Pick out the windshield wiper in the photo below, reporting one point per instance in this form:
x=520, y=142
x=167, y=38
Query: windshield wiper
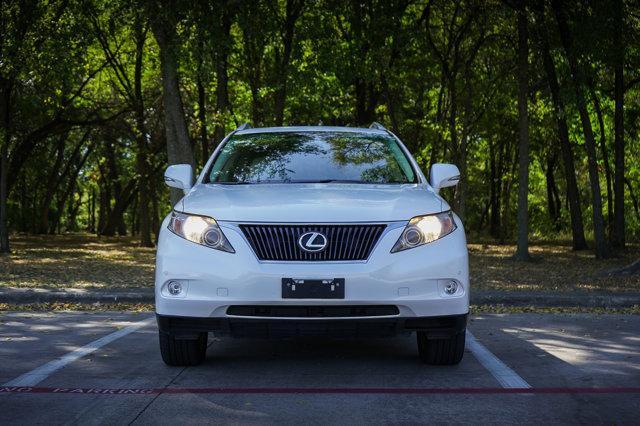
x=240, y=182
x=257, y=182
x=327, y=181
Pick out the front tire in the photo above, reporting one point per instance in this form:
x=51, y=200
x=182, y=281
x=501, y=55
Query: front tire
x=182, y=352
x=441, y=351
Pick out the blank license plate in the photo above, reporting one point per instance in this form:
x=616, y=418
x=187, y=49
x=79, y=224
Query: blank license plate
x=293, y=288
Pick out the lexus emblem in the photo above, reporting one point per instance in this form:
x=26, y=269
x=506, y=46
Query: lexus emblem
x=312, y=242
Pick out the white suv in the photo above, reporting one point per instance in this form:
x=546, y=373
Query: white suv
x=311, y=231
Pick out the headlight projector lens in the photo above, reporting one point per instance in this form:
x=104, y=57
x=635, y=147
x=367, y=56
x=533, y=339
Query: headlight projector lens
x=412, y=237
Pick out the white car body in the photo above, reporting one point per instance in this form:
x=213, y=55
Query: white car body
x=212, y=280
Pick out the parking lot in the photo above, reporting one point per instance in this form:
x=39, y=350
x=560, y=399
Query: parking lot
x=519, y=368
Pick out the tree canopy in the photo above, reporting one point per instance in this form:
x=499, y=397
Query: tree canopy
x=536, y=101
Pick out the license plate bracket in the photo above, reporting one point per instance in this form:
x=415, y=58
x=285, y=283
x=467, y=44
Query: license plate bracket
x=294, y=288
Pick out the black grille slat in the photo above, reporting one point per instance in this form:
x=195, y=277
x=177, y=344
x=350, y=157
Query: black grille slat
x=344, y=241
x=357, y=242
x=365, y=239
x=348, y=243
x=258, y=247
x=275, y=241
x=265, y=242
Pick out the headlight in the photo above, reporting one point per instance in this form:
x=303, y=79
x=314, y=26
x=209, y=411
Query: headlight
x=200, y=230
x=425, y=229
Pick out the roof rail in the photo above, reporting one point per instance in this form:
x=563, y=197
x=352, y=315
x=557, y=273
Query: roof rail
x=244, y=127
x=377, y=126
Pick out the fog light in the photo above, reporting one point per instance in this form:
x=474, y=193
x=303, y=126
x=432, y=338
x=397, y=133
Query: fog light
x=451, y=287
x=174, y=287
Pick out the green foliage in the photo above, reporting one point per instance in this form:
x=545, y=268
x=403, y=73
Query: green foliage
x=440, y=74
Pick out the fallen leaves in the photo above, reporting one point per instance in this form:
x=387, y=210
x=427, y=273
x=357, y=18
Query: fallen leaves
x=63, y=306
x=77, y=261
x=555, y=268
x=507, y=309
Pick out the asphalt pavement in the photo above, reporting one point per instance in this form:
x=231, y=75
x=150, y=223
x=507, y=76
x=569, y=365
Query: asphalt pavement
x=105, y=368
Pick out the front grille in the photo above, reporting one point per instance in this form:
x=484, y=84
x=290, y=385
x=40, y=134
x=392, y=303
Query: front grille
x=344, y=242
x=304, y=311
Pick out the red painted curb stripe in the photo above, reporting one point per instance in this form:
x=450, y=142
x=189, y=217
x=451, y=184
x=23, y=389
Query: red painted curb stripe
x=414, y=391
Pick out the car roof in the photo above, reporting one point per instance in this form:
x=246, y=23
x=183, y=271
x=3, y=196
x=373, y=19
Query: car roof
x=310, y=129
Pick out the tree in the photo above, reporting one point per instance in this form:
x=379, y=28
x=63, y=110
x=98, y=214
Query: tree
x=128, y=79
x=619, y=46
x=164, y=19
x=522, y=251
x=566, y=149
x=602, y=249
x=287, y=23
x=49, y=91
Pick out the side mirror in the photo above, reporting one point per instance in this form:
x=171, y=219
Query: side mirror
x=443, y=175
x=179, y=176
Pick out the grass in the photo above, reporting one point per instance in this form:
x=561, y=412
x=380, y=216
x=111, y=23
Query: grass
x=78, y=261
x=555, y=267
x=90, y=262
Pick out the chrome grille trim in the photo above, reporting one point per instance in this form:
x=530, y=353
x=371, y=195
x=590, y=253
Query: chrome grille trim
x=345, y=242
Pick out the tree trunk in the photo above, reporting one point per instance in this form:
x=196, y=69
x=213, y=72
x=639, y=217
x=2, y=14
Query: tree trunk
x=553, y=199
x=222, y=101
x=179, y=150
x=92, y=211
x=222, y=75
x=253, y=52
x=566, y=150
x=105, y=201
x=435, y=144
x=143, y=154
x=522, y=250
x=506, y=193
x=605, y=156
x=24, y=204
x=5, y=139
x=155, y=222
x=4, y=223
x=634, y=200
x=202, y=117
x=143, y=200
x=51, y=186
x=68, y=192
x=366, y=101
x=292, y=13
x=602, y=250
x=461, y=189
x=495, y=185
x=72, y=213
x=618, y=234
x=115, y=221
x=134, y=216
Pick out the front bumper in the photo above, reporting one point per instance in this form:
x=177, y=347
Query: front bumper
x=213, y=281
x=435, y=327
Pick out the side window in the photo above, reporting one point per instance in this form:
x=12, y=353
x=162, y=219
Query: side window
x=402, y=160
x=220, y=162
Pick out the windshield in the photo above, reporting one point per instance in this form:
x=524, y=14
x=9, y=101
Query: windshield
x=307, y=157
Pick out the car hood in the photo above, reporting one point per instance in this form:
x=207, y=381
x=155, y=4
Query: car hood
x=311, y=202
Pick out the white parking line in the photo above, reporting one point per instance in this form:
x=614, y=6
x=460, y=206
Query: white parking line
x=503, y=374
x=37, y=375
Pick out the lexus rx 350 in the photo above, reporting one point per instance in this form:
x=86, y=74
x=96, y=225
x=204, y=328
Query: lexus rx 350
x=311, y=231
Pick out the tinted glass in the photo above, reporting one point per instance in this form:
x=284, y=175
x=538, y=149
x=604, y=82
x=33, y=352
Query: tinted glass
x=290, y=157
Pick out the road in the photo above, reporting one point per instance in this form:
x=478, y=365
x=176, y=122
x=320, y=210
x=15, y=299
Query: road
x=105, y=368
